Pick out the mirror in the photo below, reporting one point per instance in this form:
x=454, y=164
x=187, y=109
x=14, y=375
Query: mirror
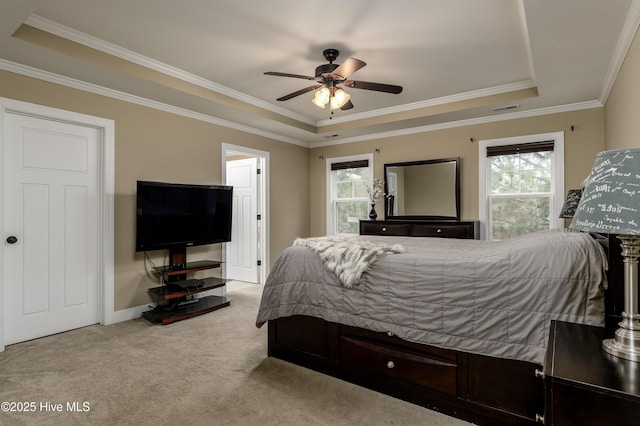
x=428, y=189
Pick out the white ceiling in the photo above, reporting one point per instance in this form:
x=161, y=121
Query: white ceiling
x=456, y=59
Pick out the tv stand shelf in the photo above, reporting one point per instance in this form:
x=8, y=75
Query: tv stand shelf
x=164, y=316
x=199, y=265
x=166, y=293
x=177, y=304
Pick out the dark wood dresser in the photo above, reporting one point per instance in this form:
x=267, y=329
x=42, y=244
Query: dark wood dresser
x=585, y=385
x=421, y=228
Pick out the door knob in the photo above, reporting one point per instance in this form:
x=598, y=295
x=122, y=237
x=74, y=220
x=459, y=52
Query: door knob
x=12, y=240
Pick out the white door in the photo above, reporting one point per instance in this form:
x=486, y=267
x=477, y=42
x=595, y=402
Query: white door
x=242, y=251
x=51, y=208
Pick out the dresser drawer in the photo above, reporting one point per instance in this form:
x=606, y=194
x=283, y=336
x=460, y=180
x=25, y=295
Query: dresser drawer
x=415, y=228
x=441, y=230
x=418, y=368
x=382, y=228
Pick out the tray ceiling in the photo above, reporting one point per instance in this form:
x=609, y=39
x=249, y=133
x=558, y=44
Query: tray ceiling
x=458, y=61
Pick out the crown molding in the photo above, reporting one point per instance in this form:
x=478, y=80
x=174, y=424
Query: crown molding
x=122, y=96
x=115, y=94
x=71, y=34
x=496, y=90
x=525, y=35
x=622, y=48
x=63, y=31
x=468, y=122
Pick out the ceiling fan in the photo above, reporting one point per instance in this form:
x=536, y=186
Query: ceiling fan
x=329, y=76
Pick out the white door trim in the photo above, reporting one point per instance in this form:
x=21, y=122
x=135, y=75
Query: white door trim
x=264, y=201
x=107, y=178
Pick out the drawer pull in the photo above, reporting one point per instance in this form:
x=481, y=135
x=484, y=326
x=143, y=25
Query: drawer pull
x=384, y=229
x=390, y=364
x=390, y=333
x=539, y=374
x=539, y=419
x=439, y=230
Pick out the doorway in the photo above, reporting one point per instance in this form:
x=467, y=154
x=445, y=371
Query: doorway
x=246, y=255
x=57, y=202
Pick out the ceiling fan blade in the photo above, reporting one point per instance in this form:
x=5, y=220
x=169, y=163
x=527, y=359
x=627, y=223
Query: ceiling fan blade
x=284, y=74
x=347, y=106
x=299, y=92
x=378, y=87
x=347, y=68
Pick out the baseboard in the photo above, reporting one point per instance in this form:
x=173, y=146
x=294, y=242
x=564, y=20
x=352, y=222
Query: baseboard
x=128, y=314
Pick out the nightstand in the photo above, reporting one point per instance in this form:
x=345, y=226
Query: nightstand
x=584, y=384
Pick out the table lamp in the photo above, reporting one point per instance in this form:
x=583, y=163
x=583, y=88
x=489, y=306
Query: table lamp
x=610, y=204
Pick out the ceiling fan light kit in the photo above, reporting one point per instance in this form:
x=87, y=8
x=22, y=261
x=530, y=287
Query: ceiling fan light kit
x=337, y=100
x=328, y=76
x=321, y=97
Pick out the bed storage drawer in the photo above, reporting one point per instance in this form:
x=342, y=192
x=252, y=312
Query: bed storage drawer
x=435, y=370
x=479, y=389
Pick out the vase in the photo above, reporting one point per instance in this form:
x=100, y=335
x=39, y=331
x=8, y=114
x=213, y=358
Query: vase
x=372, y=214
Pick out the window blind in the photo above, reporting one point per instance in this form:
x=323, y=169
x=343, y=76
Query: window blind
x=519, y=148
x=350, y=164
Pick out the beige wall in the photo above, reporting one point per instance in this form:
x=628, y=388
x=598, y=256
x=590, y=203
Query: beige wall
x=622, y=110
x=581, y=146
x=155, y=145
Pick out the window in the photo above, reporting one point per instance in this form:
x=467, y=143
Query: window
x=347, y=198
x=521, y=185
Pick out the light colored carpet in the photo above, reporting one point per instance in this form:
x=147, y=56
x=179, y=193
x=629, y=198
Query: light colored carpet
x=208, y=370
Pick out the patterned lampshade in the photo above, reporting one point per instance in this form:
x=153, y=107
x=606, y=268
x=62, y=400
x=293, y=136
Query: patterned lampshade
x=571, y=203
x=610, y=204
x=610, y=201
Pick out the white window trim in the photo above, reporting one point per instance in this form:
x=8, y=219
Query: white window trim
x=330, y=223
x=557, y=165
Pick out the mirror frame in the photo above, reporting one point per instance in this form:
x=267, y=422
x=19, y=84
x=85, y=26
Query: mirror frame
x=455, y=217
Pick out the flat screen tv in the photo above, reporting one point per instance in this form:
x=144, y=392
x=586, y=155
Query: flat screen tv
x=174, y=216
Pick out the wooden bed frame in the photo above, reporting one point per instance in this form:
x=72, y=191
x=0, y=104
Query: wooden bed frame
x=476, y=388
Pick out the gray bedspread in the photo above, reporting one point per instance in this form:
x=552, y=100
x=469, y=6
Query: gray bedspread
x=495, y=298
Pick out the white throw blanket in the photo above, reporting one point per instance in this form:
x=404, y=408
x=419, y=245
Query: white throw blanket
x=346, y=257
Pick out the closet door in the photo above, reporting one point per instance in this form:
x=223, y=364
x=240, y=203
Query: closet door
x=51, y=222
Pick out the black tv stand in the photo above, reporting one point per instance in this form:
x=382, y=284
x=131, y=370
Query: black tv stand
x=171, y=306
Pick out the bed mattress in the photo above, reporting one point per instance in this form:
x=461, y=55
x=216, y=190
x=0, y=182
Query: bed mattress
x=495, y=298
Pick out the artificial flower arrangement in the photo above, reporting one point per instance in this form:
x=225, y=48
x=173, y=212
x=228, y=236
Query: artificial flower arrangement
x=376, y=191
